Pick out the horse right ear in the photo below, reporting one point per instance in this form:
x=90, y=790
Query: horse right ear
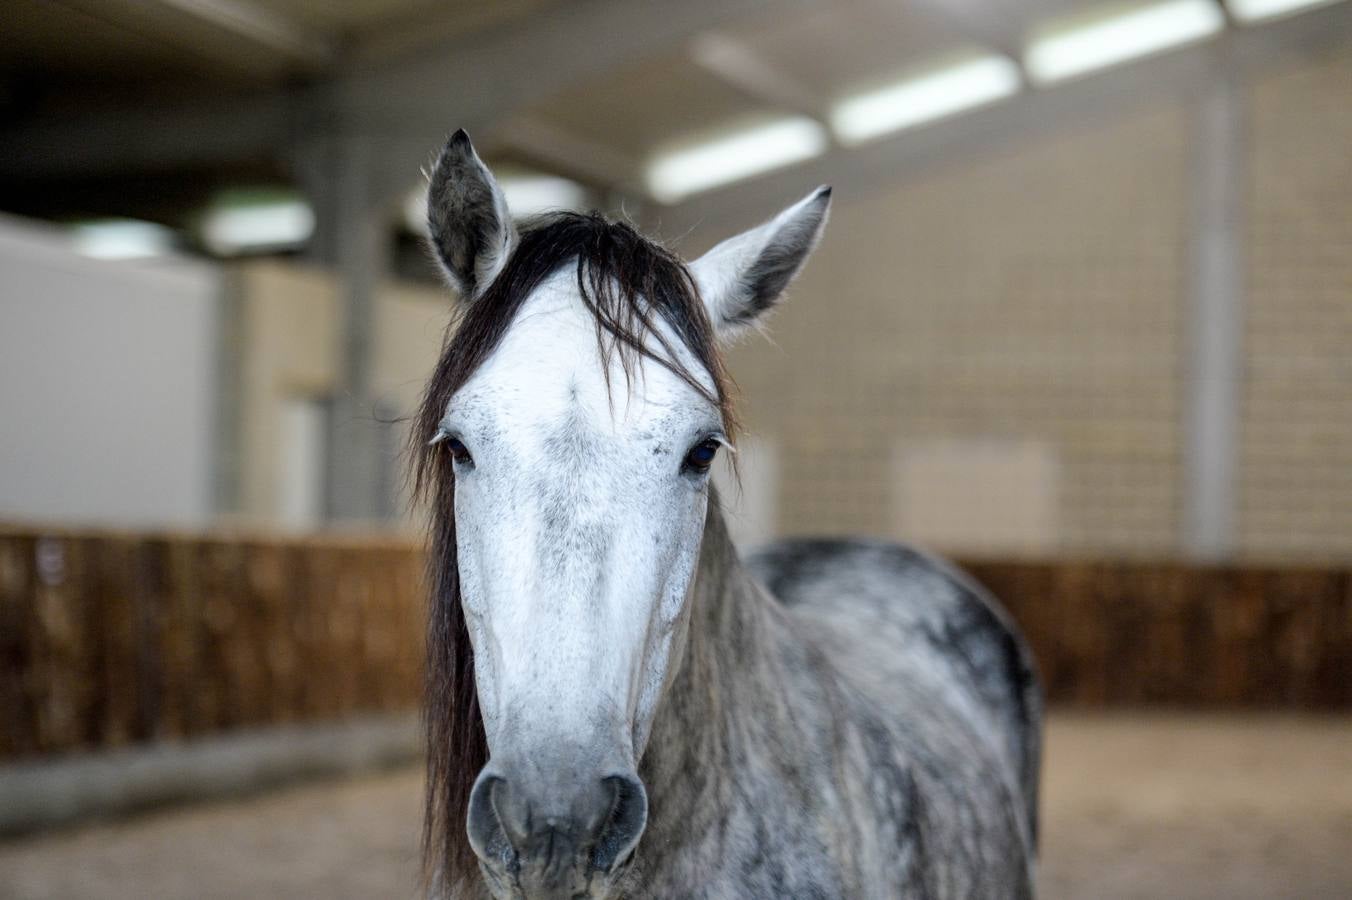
x=468, y=222
x=743, y=277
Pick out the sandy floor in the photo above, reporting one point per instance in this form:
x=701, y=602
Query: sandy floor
x=1193, y=807
x=1134, y=807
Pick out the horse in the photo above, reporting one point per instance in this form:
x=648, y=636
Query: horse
x=617, y=705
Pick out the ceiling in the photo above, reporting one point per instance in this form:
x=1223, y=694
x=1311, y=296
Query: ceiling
x=591, y=89
x=751, y=71
x=62, y=51
x=230, y=42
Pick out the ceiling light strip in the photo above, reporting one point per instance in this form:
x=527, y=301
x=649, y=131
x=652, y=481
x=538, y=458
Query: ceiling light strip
x=925, y=98
x=1067, y=52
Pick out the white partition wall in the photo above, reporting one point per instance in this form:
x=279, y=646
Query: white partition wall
x=107, y=385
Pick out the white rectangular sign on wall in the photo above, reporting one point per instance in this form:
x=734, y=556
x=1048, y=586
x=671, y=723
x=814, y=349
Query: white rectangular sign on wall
x=978, y=495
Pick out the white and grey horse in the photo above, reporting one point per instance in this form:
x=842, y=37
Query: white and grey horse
x=619, y=706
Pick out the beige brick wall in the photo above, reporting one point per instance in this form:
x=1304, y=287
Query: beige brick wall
x=1033, y=300
x=286, y=348
x=1030, y=299
x=1296, y=453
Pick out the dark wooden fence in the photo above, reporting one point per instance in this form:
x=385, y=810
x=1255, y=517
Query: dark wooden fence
x=109, y=639
x=1171, y=634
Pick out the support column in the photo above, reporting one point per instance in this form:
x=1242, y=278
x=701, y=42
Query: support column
x=1214, y=347
x=352, y=240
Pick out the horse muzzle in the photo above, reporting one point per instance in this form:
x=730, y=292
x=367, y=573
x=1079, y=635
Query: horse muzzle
x=559, y=838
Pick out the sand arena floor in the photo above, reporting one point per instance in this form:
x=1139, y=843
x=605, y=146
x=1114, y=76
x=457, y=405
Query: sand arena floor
x=1139, y=806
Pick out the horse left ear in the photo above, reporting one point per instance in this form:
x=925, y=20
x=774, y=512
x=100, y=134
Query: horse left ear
x=467, y=218
x=741, y=278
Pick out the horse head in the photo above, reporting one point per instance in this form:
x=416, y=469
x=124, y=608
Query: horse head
x=565, y=445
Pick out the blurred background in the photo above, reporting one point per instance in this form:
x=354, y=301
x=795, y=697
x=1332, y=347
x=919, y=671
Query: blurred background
x=1079, y=320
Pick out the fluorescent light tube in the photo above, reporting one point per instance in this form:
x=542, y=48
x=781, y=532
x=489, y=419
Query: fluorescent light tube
x=229, y=230
x=742, y=154
x=923, y=98
x=1247, y=11
x=530, y=195
x=122, y=239
x=1067, y=51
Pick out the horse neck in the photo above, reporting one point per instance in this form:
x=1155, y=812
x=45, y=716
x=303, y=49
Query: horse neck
x=737, y=668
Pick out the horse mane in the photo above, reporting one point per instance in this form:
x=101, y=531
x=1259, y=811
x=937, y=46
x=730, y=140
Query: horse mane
x=629, y=284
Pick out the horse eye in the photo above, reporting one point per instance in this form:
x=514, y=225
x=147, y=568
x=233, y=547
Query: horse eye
x=701, y=456
x=459, y=452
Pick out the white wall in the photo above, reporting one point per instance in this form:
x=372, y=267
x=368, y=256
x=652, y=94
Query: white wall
x=107, y=385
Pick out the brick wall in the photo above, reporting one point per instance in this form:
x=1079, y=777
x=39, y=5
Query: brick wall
x=1029, y=305
x=1029, y=299
x=1296, y=453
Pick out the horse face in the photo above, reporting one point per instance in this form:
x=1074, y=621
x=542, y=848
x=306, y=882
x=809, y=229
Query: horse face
x=580, y=497
x=579, y=507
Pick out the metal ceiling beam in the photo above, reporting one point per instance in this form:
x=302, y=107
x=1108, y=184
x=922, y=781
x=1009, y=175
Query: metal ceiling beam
x=242, y=36
x=738, y=65
x=114, y=142
x=406, y=107
x=421, y=25
x=483, y=82
x=261, y=26
x=1034, y=112
x=569, y=154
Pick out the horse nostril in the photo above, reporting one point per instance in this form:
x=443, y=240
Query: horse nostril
x=488, y=833
x=525, y=831
x=624, y=825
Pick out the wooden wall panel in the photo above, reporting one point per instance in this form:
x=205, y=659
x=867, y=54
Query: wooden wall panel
x=1168, y=634
x=110, y=639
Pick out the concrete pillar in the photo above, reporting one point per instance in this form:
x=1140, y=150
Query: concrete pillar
x=1214, y=337
x=352, y=239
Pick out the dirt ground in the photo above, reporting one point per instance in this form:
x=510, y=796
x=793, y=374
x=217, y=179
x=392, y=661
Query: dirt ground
x=1134, y=807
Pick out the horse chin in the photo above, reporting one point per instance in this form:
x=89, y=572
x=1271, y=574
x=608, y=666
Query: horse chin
x=576, y=884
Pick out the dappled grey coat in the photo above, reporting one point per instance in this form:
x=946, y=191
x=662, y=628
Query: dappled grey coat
x=852, y=719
